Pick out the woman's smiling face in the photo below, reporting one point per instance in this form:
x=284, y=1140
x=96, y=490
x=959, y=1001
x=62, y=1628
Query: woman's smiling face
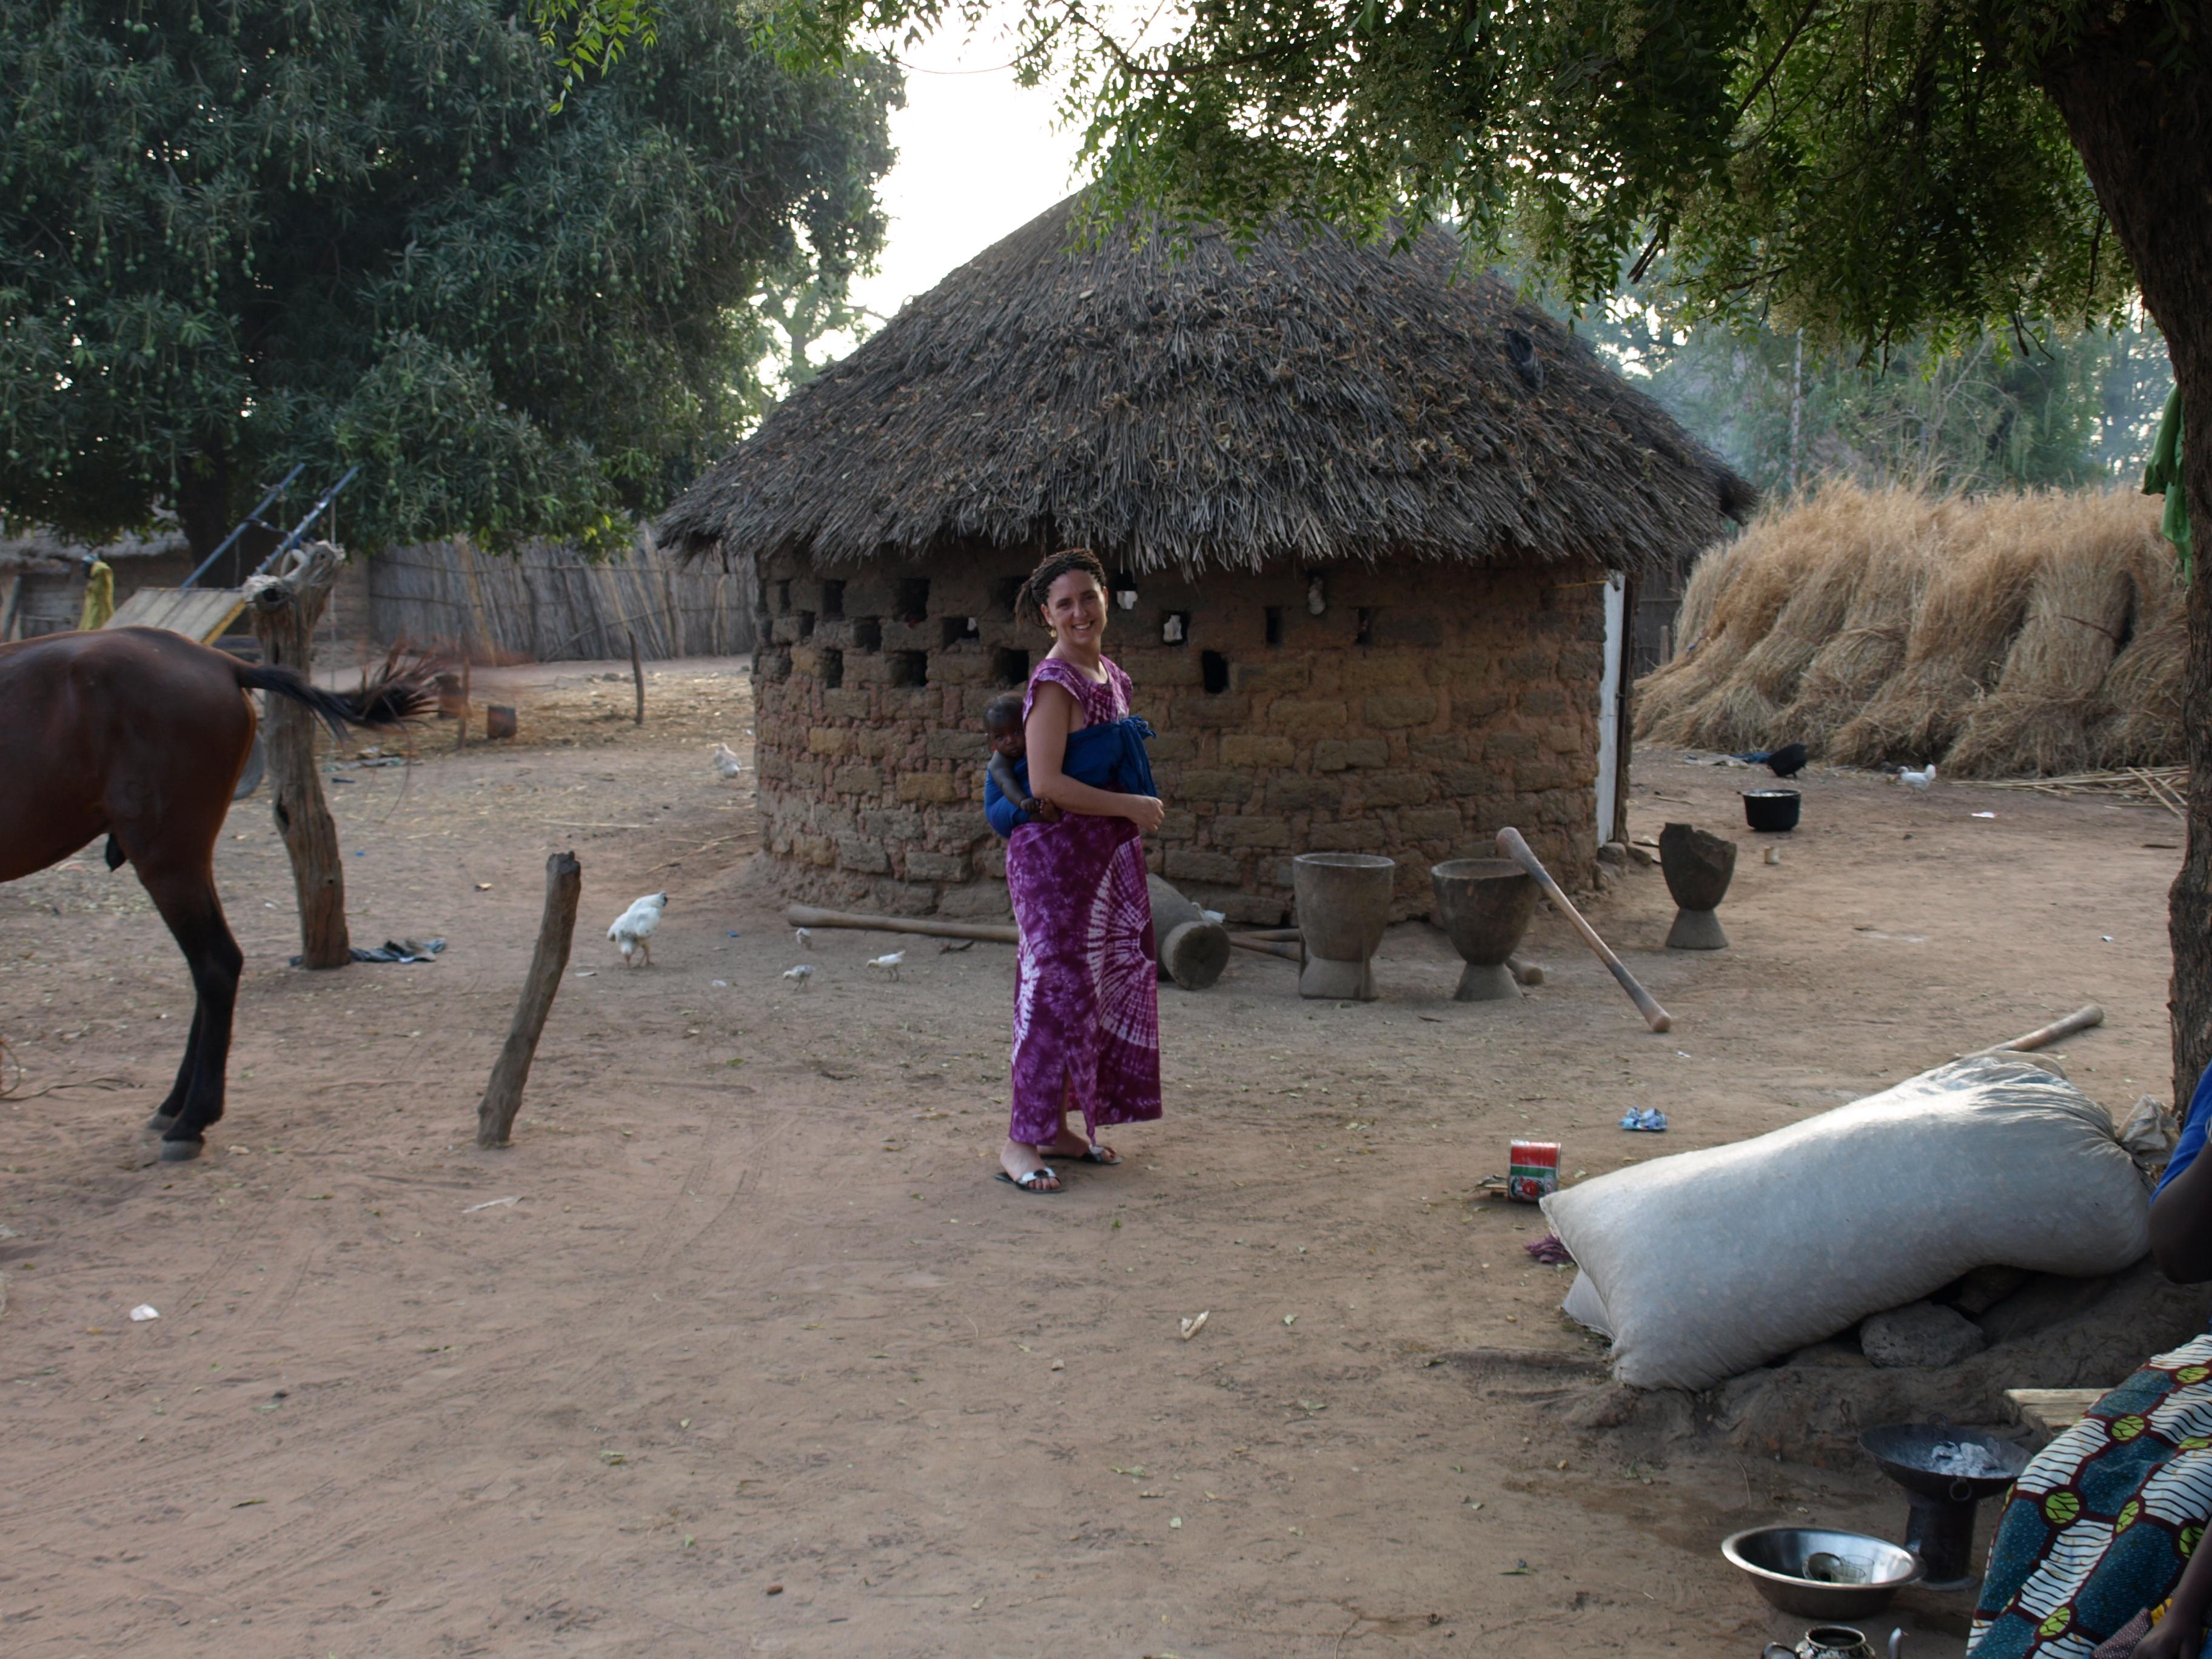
x=1075, y=610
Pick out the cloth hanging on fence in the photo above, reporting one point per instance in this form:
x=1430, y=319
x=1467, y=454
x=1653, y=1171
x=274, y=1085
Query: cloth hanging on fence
x=2163, y=477
x=98, y=596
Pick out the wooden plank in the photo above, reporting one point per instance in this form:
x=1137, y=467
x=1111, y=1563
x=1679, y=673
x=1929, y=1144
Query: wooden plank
x=2051, y=1412
x=198, y=613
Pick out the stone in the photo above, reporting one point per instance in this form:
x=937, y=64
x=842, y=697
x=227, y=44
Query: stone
x=1391, y=710
x=868, y=856
x=1252, y=831
x=1920, y=1335
x=937, y=788
x=980, y=901
x=1248, y=749
x=1303, y=714
x=1336, y=755
x=1360, y=835
x=923, y=866
x=1193, y=864
x=858, y=780
x=1229, y=787
x=1431, y=823
x=1299, y=793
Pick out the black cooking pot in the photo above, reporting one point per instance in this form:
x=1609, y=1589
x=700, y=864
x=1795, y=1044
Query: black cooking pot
x=1771, y=810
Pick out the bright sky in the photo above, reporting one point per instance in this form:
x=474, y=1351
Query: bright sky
x=978, y=158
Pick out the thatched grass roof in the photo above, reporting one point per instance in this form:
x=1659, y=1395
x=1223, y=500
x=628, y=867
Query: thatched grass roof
x=1316, y=400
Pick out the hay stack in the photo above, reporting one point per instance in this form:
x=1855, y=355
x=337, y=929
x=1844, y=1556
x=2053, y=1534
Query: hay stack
x=2087, y=565
x=2139, y=721
x=1893, y=548
x=2032, y=635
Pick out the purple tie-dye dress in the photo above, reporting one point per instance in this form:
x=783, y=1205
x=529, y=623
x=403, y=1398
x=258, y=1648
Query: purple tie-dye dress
x=1086, y=986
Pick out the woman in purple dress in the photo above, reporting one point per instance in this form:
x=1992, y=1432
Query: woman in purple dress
x=1086, y=989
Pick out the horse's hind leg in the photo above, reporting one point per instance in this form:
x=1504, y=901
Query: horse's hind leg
x=189, y=904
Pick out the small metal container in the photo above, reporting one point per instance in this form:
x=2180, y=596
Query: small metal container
x=1858, y=1575
x=1532, y=1171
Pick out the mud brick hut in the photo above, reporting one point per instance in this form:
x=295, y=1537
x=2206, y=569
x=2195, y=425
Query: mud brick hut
x=1371, y=527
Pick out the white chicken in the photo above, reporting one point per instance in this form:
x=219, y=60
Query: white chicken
x=726, y=762
x=633, y=929
x=802, y=975
x=1914, y=779
x=805, y=936
x=890, y=964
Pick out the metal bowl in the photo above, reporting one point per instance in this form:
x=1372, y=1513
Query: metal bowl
x=1867, y=1572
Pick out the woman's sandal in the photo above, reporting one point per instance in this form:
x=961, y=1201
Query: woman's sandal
x=1033, y=1182
x=1096, y=1153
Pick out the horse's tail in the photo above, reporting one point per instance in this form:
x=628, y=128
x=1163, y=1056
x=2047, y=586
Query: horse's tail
x=381, y=702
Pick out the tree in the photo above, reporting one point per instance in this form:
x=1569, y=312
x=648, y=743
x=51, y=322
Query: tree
x=336, y=231
x=1993, y=410
x=1871, y=172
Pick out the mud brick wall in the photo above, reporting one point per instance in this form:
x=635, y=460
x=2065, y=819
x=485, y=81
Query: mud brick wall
x=1423, y=707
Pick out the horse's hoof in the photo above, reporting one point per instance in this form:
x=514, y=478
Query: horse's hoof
x=180, y=1152
x=161, y=1125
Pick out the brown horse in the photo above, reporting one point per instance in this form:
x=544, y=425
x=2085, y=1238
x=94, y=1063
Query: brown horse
x=141, y=734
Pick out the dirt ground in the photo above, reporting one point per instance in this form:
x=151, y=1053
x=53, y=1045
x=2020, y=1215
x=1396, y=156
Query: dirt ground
x=740, y=1349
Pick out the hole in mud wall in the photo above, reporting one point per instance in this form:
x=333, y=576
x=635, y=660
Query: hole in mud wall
x=806, y=624
x=910, y=668
x=1214, y=672
x=911, y=601
x=1365, y=633
x=1175, y=628
x=833, y=669
x=783, y=598
x=832, y=599
x=962, y=630
x=1274, y=620
x=1006, y=595
x=867, y=633
x=1010, y=667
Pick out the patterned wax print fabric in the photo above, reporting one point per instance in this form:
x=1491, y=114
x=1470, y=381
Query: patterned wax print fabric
x=1087, y=979
x=2099, y=1525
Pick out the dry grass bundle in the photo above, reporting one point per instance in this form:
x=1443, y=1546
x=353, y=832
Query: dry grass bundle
x=2036, y=634
x=2139, y=721
x=2091, y=558
x=1888, y=540
x=1699, y=693
x=1975, y=604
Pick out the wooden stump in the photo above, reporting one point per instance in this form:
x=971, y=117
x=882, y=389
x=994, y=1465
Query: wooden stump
x=636, y=676
x=556, y=932
x=284, y=611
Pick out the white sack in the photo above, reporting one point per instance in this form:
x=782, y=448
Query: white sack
x=1708, y=1263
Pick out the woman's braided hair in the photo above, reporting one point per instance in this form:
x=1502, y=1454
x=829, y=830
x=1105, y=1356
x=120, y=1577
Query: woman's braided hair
x=1037, y=589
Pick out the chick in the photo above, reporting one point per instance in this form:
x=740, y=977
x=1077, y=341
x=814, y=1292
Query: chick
x=633, y=929
x=802, y=975
x=726, y=762
x=805, y=936
x=890, y=964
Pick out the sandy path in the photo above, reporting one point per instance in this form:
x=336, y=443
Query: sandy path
x=758, y=1317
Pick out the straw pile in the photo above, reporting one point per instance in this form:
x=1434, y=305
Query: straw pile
x=2014, y=635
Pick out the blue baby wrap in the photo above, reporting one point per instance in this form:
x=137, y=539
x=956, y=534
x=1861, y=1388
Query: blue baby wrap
x=1109, y=756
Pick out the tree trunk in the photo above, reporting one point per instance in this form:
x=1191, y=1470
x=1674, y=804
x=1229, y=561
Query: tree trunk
x=2145, y=135
x=556, y=932
x=284, y=611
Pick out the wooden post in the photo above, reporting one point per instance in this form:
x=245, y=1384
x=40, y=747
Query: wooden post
x=284, y=611
x=636, y=675
x=556, y=930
